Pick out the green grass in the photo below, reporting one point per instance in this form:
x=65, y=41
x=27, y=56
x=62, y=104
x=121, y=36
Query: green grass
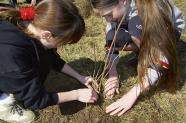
x=87, y=56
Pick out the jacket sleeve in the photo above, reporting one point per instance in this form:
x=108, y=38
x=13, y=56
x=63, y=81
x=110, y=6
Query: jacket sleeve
x=178, y=17
x=19, y=77
x=57, y=62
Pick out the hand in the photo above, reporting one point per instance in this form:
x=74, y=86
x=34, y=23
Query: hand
x=123, y=104
x=33, y=2
x=111, y=86
x=87, y=95
x=89, y=81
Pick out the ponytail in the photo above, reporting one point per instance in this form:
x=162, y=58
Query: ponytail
x=11, y=15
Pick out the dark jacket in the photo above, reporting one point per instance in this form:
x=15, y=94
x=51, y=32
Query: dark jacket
x=24, y=66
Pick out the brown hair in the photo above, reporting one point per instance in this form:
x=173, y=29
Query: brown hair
x=60, y=17
x=99, y=4
x=158, y=40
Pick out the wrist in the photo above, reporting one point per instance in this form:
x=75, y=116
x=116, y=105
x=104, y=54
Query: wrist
x=136, y=90
x=75, y=94
x=81, y=79
x=67, y=96
x=113, y=73
x=113, y=76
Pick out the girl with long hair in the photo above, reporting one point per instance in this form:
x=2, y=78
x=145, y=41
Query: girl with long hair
x=28, y=41
x=154, y=27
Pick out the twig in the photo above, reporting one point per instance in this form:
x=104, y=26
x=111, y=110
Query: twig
x=106, y=66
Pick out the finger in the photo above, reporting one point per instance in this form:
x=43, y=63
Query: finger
x=107, y=90
x=110, y=83
x=94, y=98
x=110, y=93
x=117, y=110
x=95, y=94
x=89, y=78
x=95, y=83
x=122, y=112
x=112, y=107
x=90, y=87
x=117, y=90
x=112, y=86
x=91, y=101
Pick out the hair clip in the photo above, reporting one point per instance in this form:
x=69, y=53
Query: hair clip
x=27, y=13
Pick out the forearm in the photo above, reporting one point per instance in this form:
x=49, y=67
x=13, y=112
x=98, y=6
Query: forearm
x=134, y=46
x=67, y=96
x=71, y=72
x=137, y=89
x=113, y=70
x=136, y=41
x=153, y=77
x=129, y=47
x=82, y=95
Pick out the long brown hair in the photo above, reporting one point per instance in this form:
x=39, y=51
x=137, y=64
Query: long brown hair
x=60, y=17
x=157, y=40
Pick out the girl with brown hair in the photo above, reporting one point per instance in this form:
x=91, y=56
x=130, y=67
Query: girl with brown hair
x=28, y=39
x=161, y=24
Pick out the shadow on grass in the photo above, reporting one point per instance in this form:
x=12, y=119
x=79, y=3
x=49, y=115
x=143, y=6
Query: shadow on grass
x=57, y=82
x=181, y=50
x=86, y=66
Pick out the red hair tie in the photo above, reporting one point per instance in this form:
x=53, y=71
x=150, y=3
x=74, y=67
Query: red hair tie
x=27, y=13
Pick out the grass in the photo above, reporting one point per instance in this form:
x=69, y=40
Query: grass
x=88, y=55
